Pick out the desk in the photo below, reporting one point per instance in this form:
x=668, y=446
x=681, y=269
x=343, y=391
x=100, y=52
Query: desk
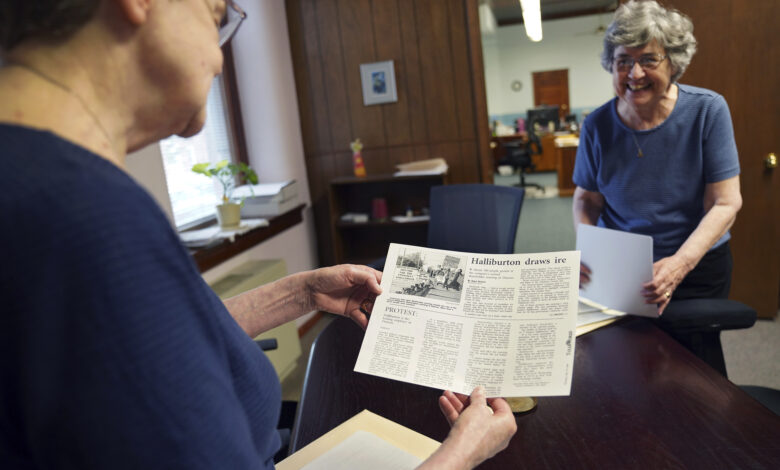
x=639, y=400
x=565, y=155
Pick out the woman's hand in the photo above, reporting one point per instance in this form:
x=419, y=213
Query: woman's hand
x=481, y=428
x=342, y=289
x=585, y=273
x=668, y=273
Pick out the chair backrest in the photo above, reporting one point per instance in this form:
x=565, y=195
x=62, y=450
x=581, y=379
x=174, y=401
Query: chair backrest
x=518, y=154
x=533, y=141
x=477, y=218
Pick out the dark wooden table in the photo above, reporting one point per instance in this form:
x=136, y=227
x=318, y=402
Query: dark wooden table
x=207, y=258
x=639, y=400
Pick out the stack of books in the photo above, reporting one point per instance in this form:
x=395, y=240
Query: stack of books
x=268, y=199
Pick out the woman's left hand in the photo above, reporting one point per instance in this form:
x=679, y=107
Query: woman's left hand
x=667, y=274
x=343, y=288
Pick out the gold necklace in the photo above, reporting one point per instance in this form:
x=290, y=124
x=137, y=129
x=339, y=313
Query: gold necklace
x=70, y=91
x=639, y=152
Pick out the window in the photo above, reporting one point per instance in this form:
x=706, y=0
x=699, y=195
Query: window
x=193, y=196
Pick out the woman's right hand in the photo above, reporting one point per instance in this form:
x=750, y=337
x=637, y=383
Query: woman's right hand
x=585, y=273
x=481, y=428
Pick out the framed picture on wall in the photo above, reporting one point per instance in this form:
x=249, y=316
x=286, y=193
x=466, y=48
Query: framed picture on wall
x=378, y=80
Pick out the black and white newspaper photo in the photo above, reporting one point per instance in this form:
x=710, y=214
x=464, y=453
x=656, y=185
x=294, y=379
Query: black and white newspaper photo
x=453, y=320
x=435, y=275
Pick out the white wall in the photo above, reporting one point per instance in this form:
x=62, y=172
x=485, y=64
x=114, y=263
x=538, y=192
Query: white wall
x=146, y=166
x=270, y=114
x=567, y=44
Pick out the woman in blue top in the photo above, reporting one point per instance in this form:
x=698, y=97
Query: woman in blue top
x=660, y=158
x=114, y=353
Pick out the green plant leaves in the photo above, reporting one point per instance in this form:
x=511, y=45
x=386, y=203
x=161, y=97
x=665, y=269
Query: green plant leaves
x=225, y=172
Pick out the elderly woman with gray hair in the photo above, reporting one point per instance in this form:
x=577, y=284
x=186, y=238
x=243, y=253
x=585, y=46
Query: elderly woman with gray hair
x=115, y=352
x=660, y=158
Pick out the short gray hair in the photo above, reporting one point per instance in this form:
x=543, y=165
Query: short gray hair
x=636, y=23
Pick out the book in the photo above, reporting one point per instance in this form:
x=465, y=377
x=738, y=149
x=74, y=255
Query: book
x=268, y=192
x=254, y=207
x=366, y=440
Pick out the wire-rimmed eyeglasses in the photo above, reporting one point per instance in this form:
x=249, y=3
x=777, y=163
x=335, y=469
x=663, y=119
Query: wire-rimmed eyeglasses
x=624, y=63
x=233, y=18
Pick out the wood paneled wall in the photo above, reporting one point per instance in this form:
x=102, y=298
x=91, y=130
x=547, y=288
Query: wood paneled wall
x=441, y=109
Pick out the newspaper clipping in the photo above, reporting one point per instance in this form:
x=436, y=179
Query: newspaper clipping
x=452, y=320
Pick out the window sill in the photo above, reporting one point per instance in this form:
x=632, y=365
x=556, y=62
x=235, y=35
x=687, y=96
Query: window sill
x=207, y=258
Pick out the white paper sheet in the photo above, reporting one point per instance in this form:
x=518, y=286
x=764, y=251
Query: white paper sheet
x=620, y=262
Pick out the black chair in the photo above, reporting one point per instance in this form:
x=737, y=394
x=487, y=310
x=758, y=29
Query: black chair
x=519, y=156
x=697, y=323
x=287, y=415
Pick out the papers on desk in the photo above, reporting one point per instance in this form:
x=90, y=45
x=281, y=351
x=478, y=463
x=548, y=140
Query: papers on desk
x=215, y=234
x=453, y=320
x=433, y=166
x=620, y=263
x=592, y=316
x=405, y=219
x=365, y=441
x=567, y=141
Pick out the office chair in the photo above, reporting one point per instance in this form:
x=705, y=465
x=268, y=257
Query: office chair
x=476, y=218
x=519, y=156
x=697, y=323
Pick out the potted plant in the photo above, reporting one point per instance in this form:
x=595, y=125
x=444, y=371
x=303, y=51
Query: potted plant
x=229, y=212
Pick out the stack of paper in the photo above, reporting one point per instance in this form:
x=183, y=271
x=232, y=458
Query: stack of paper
x=366, y=440
x=434, y=166
x=567, y=141
x=592, y=316
x=269, y=199
x=215, y=234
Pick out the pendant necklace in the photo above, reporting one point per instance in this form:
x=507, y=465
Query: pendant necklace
x=69, y=91
x=639, y=152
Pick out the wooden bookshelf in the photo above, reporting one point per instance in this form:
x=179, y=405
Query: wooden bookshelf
x=362, y=243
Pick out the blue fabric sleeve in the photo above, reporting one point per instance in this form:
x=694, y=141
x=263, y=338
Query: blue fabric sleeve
x=131, y=379
x=113, y=351
x=720, y=147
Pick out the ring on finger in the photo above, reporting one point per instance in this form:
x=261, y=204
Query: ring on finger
x=667, y=294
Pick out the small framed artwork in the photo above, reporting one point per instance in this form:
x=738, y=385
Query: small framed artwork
x=378, y=79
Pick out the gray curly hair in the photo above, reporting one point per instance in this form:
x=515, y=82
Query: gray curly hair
x=636, y=23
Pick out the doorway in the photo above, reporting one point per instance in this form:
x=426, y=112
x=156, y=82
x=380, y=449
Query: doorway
x=551, y=88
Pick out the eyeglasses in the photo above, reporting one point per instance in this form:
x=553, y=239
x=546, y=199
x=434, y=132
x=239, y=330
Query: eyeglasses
x=647, y=62
x=233, y=18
